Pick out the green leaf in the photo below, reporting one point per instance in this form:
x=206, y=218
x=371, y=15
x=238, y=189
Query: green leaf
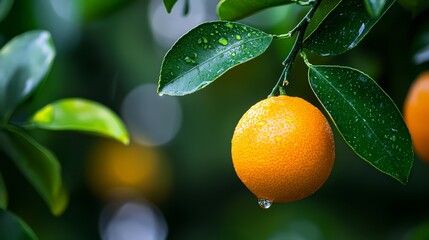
x=24, y=62
x=3, y=193
x=237, y=9
x=38, y=165
x=169, y=5
x=13, y=228
x=5, y=6
x=343, y=28
x=374, y=7
x=366, y=117
x=415, y=6
x=80, y=115
x=325, y=7
x=206, y=52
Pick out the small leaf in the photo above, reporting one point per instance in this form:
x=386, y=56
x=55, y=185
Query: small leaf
x=80, y=115
x=415, y=6
x=206, y=52
x=37, y=164
x=366, y=117
x=237, y=9
x=3, y=193
x=13, y=228
x=169, y=4
x=24, y=62
x=374, y=7
x=325, y=7
x=5, y=6
x=343, y=28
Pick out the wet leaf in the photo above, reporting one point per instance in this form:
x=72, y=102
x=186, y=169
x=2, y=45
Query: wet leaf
x=38, y=165
x=169, y=4
x=374, y=7
x=206, y=52
x=237, y=9
x=13, y=228
x=3, y=193
x=5, y=6
x=415, y=6
x=24, y=62
x=343, y=28
x=80, y=115
x=366, y=117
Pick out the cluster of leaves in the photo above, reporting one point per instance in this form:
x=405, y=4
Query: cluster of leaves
x=24, y=64
x=364, y=114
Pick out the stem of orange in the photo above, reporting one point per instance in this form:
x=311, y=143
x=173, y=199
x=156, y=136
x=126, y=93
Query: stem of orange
x=297, y=47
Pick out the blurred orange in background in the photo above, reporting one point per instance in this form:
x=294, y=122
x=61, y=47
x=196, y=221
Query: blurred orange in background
x=118, y=171
x=416, y=114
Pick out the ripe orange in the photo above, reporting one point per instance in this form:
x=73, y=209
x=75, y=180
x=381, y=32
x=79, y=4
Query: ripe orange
x=416, y=114
x=283, y=149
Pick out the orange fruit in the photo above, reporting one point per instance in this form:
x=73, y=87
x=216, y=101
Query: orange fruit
x=416, y=114
x=119, y=171
x=283, y=149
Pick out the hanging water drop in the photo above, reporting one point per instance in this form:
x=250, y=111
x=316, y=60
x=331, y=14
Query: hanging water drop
x=264, y=203
x=229, y=25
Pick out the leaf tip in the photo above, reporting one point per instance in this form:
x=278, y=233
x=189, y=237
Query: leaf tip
x=218, y=10
x=125, y=140
x=169, y=5
x=60, y=202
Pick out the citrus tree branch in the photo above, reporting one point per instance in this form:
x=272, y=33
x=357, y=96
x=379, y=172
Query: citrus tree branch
x=297, y=47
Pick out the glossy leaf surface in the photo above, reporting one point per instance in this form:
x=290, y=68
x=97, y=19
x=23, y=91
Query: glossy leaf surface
x=13, y=228
x=5, y=6
x=366, y=117
x=374, y=7
x=3, y=193
x=343, y=28
x=206, y=52
x=169, y=4
x=80, y=115
x=38, y=165
x=237, y=9
x=24, y=62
